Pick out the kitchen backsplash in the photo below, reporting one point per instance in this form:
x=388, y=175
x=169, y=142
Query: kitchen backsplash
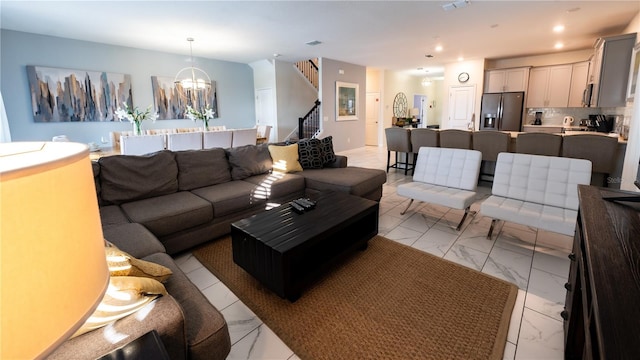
x=554, y=116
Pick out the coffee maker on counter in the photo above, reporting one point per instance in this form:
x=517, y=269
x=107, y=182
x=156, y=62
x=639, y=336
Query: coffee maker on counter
x=538, y=119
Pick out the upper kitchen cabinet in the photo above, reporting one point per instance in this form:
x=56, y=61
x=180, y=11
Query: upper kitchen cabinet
x=504, y=80
x=549, y=86
x=579, y=74
x=610, y=70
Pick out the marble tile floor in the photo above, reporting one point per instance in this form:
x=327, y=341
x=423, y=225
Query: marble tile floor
x=534, y=260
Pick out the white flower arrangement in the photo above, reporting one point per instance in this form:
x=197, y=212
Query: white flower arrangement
x=196, y=115
x=136, y=116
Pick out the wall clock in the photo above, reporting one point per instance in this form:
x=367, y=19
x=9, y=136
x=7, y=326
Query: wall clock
x=400, y=105
x=463, y=77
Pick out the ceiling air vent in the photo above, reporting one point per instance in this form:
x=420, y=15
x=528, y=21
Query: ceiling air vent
x=314, y=43
x=455, y=5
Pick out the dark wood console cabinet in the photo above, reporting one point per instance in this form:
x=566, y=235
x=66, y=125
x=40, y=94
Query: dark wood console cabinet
x=602, y=308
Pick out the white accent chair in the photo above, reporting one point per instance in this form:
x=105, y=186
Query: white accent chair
x=140, y=145
x=243, y=137
x=536, y=190
x=184, y=141
x=217, y=139
x=444, y=176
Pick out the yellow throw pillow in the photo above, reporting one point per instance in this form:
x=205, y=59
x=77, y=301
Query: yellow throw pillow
x=125, y=295
x=285, y=158
x=122, y=264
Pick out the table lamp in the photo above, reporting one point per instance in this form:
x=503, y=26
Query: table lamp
x=53, y=269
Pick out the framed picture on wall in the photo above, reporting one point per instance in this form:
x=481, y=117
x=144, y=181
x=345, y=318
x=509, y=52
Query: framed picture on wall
x=170, y=103
x=633, y=73
x=67, y=95
x=347, y=101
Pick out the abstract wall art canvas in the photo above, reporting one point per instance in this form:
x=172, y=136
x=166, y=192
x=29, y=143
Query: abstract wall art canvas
x=170, y=103
x=66, y=95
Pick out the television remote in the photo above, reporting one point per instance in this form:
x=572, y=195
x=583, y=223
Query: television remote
x=297, y=208
x=307, y=205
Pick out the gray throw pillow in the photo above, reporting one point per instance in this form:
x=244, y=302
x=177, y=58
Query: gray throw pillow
x=129, y=177
x=200, y=168
x=310, y=154
x=249, y=160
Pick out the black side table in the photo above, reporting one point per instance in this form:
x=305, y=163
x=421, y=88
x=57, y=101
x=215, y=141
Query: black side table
x=147, y=346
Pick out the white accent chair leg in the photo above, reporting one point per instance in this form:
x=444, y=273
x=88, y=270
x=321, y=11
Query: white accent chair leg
x=405, y=210
x=464, y=217
x=493, y=224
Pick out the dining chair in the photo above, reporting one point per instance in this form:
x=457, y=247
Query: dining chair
x=539, y=143
x=599, y=149
x=142, y=144
x=217, y=139
x=399, y=141
x=243, y=137
x=455, y=138
x=184, y=141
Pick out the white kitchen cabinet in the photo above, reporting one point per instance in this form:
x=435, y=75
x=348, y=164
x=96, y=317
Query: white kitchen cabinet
x=549, y=86
x=610, y=75
x=504, y=80
x=579, y=74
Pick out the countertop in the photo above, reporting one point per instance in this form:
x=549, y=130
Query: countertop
x=621, y=140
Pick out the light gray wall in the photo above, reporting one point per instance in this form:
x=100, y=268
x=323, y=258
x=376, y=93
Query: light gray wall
x=295, y=97
x=346, y=134
x=234, y=83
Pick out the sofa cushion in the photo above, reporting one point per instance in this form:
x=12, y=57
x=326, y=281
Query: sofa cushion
x=231, y=197
x=277, y=185
x=352, y=180
x=199, y=168
x=133, y=238
x=285, y=158
x=206, y=329
x=249, y=160
x=95, y=168
x=310, y=154
x=128, y=177
x=171, y=213
x=112, y=215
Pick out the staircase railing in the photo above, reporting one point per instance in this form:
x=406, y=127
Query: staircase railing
x=309, y=68
x=309, y=124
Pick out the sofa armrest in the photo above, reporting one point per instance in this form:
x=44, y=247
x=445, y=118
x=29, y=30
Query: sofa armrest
x=341, y=162
x=163, y=315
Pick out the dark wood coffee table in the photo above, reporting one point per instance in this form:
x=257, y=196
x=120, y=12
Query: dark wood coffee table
x=285, y=251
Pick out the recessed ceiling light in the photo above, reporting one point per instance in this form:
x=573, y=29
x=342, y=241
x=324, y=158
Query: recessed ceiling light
x=313, y=42
x=558, y=28
x=460, y=58
x=439, y=48
x=276, y=55
x=559, y=45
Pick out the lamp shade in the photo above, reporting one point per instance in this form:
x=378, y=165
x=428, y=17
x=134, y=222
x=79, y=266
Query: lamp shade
x=54, y=271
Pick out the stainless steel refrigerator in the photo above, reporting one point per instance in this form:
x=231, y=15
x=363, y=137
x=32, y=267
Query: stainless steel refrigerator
x=502, y=111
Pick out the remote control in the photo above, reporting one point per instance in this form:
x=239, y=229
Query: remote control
x=308, y=201
x=307, y=205
x=297, y=208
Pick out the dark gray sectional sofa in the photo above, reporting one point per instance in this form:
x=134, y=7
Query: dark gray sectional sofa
x=167, y=202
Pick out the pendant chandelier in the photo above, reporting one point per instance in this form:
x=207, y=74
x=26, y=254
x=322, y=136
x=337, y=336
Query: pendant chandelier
x=190, y=81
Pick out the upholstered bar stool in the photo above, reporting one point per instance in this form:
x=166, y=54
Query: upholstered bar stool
x=423, y=137
x=599, y=149
x=399, y=141
x=454, y=138
x=490, y=144
x=539, y=144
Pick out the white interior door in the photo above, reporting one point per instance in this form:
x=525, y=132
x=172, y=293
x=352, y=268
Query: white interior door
x=372, y=114
x=462, y=101
x=266, y=111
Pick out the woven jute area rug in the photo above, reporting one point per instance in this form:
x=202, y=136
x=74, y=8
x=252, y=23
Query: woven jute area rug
x=388, y=302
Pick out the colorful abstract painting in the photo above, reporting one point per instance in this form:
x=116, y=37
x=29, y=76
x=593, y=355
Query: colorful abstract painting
x=170, y=103
x=65, y=95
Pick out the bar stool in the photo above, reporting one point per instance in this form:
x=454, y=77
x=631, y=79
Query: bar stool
x=423, y=137
x=399, y=140
x=455, y=138
x=490, y=144
x=599, y=149
x=539, y=144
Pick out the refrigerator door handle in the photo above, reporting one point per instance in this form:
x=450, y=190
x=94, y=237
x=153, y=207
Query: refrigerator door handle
x=499, y=115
